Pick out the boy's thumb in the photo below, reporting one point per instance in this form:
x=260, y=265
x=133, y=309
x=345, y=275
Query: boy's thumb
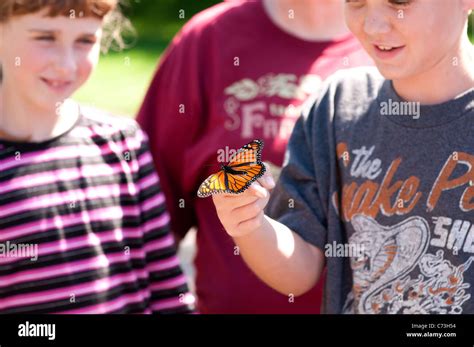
x=267, y=180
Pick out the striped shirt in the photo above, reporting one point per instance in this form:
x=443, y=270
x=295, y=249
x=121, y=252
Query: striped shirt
x=83, y=225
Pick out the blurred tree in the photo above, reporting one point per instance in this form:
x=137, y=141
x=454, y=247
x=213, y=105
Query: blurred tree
x=168, y=7
x=161, y=19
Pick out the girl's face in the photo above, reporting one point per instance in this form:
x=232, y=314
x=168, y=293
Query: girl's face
x=407, y=38
x=46, y=59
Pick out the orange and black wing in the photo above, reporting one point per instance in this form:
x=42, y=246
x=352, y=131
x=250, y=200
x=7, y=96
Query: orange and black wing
x=212, y=185
x=249, y=154
x=243, y=169
x=238, y=183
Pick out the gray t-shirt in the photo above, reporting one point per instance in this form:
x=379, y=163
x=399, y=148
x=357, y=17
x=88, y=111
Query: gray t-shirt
x=386, y=189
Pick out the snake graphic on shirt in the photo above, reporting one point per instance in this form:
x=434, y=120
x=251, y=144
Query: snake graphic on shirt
x=383, y=273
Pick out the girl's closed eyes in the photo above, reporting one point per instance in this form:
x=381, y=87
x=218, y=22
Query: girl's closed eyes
x=88, y=39
x=396, y=3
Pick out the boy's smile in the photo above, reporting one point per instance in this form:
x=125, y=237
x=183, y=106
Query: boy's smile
x=421, y=45
x=386, y=52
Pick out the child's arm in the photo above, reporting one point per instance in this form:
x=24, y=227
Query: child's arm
x=280, y=257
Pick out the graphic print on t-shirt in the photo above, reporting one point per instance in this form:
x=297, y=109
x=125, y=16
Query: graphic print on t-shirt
x=400, y=270
x=382, y=283
x=248, y=101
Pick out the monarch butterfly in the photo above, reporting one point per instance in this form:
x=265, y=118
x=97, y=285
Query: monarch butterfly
x=235, y=177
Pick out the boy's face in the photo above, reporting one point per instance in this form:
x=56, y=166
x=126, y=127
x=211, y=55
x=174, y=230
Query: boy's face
x=418, y=35
x=46, y=59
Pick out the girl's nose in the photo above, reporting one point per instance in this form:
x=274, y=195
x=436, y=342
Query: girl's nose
x=66, y=63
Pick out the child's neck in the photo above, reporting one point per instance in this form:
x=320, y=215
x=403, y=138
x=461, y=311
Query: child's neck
x=308, y=20
x=443, y=82
x=21, y=122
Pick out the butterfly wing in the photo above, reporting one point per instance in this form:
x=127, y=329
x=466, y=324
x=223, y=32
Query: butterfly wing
x=213, y=184
x=238, y=183
x=251, y=153
x=243, y=169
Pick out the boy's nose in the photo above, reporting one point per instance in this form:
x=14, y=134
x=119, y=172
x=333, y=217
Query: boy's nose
x=376, y=23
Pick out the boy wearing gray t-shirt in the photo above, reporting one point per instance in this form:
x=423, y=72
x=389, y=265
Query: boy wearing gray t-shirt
x=379, y=177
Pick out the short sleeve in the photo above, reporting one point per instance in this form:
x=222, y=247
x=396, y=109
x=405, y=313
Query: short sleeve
x=300, y=198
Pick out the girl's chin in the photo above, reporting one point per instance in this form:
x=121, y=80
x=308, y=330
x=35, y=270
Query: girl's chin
x=53, y=98
x=50, y=105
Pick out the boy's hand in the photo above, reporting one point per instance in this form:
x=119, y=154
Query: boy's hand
x=243, y=213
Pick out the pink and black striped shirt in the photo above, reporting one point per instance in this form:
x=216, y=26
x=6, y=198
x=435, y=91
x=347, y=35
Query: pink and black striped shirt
x=84, y=227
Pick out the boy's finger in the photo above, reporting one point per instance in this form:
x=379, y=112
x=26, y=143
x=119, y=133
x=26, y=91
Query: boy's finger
x=257, y=190
x=267, y=179
x=242, y=198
